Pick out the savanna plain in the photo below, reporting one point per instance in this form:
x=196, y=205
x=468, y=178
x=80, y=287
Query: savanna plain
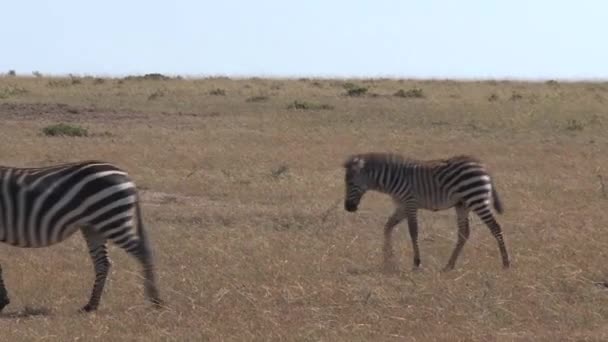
x=242, y=186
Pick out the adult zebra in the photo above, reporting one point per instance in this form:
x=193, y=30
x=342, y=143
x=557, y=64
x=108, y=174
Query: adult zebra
x=40, y=207
x=459, y=182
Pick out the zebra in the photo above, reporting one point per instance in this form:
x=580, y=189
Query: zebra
x=40, y=207
x=461, y=182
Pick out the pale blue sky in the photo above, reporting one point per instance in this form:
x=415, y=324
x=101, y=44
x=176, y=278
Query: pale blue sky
x=356, y=38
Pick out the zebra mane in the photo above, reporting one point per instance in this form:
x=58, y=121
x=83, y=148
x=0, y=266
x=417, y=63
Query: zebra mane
x=374, y=158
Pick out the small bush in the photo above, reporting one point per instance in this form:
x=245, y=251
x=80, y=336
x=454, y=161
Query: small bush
x=98, y=80
x=515, y=96
x=75, y=79
x=155, y=77
x=58, y=83
x=259, y=98
x=36, y=74
x=493, y=98
x=354, y=90
x=279, y=171
x=217, y=92
x=303, y=105
x=12, y=73
x=552, y=82
x=412, y=93
x=349, y=85
x=156, y=94
x=152, y=77
x=63, y=129
x=574, y=125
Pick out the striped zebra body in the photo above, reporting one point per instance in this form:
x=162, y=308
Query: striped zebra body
x=40, y=207
x=460, y=182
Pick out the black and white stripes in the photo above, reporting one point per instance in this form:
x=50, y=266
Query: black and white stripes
x=461, y=182
x=40, y=207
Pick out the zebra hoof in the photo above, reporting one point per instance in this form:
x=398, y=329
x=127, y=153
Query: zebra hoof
x=447, y=269
x=4, y=302
x=88, y=308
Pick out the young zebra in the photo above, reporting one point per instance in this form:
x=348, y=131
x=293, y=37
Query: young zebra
x=461, y=182
x=40, y=207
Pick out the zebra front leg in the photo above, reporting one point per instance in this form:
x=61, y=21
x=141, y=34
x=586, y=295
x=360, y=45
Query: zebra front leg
x=4, y=301
x=412, y=222
x=388, y=262
x=485, y=214
x=101, y=263
x=463, y=235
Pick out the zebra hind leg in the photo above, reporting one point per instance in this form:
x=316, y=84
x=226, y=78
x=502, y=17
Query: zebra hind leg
x=463, y=235
x=4, y=301
x=97, y=245
x=143, y=254
x=139, y=248
x=485, y=214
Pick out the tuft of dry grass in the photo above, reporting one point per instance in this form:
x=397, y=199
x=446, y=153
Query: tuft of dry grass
x=243, y=205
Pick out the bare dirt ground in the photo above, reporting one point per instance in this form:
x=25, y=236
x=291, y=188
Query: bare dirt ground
x=242, y=197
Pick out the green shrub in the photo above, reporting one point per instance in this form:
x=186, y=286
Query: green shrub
x=156, y=94
x=303, y=105
x=63, y=129
x=412, y=93
x=356, y=91
x=259, y=98
x=218, y=92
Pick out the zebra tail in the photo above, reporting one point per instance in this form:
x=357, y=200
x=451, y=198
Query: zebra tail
x=141, y=230
x=496, y=200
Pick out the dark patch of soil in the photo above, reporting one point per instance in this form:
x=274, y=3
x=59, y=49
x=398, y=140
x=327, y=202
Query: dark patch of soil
x=55, y=111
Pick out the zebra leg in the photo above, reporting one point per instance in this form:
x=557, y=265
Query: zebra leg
x=4, y=301
x=412, y=223
x=137, y=246
x=485, y=214
x=99, y=254
x=462, y=215
x=142, y=253
x=389, y=227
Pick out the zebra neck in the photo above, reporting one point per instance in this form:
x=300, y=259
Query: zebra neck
x=389, y=180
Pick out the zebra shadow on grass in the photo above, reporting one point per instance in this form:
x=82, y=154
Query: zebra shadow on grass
x=27, y=312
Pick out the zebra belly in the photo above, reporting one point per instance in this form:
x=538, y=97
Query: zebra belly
x=437, y=205
x=15, y=241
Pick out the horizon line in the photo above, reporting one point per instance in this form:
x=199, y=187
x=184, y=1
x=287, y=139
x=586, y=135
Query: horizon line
x=235, y=76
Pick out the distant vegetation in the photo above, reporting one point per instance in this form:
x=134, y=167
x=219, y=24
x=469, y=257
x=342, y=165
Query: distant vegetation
x=411, y=93
x=63, y=129
x=304, y=105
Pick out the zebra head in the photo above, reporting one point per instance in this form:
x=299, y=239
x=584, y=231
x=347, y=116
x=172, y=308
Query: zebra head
x=356, y=182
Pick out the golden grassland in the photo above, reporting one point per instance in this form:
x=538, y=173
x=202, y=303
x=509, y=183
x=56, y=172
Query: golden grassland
x=242, y=195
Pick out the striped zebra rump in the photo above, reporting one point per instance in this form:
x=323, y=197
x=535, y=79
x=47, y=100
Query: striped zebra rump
x=40, y=207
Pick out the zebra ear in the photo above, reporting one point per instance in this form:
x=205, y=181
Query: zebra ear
x=358, y=163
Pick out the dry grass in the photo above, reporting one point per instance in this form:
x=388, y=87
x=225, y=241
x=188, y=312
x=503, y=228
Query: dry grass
x=243, y=203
